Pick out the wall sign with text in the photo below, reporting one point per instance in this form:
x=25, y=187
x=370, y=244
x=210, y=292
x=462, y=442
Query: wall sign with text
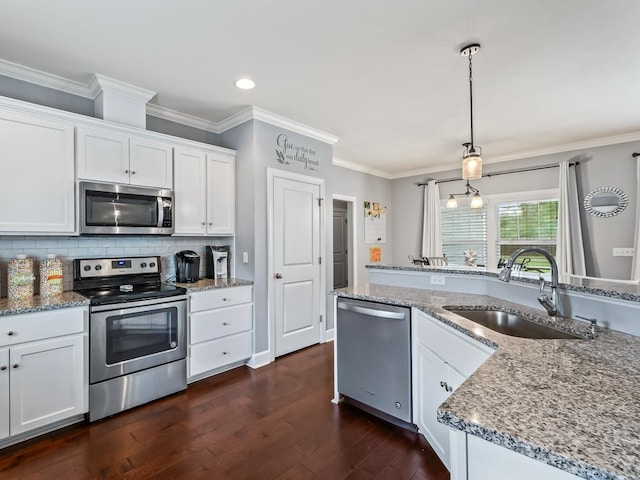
x=289, y=153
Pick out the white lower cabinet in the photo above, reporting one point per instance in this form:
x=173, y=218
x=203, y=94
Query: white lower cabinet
x=488, y=460
x=220, y=330
x=43, y=369
x=442, y=360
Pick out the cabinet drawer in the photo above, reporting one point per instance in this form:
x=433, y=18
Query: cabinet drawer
x=462, y=353
x=218, y=353
x=41, y=325
x=220, y=322
x=222, y=297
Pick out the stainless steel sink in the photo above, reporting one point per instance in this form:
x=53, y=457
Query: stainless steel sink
x=512, y=324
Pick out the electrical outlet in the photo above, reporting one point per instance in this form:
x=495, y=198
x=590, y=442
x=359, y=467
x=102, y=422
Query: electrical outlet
x=623, y=252
x=245, y=257
x=437, y=280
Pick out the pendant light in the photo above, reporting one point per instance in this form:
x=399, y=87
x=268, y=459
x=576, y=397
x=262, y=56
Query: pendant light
x=472, y=155
x=476, y=199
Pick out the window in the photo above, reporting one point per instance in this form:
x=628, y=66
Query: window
x=506, y=223
x=464, y=228
x=533, y=223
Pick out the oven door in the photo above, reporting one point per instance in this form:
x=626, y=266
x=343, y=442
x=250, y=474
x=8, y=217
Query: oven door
x=129, y=337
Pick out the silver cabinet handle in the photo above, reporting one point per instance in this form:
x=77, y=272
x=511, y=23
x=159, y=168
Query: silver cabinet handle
x=371, y=311
x=278, y=276
x=11, y=333
x=3, y=367
x=15, y=365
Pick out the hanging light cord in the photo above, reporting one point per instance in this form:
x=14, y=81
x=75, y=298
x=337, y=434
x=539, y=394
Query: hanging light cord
x=471, y=97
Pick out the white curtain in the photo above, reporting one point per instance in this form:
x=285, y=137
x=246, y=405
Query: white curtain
x=431, y=229
x=635, y=266
x=570, y=253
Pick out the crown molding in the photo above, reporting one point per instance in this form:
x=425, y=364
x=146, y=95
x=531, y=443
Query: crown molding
x=38, y=77
x=100, y=83
x=255, y=113
x=182, y=118
x=339, y=162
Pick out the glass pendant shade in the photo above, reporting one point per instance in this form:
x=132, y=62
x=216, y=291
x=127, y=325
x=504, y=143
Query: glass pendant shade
x=452, y=203
x=476, y=201
x=472, y=166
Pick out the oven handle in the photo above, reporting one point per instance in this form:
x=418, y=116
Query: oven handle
x=141, y=303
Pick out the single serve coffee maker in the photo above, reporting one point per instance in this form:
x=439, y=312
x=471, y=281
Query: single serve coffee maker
x=218, y=262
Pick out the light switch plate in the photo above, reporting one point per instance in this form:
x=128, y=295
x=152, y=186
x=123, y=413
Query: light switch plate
x=245, y=257
x=623, y=252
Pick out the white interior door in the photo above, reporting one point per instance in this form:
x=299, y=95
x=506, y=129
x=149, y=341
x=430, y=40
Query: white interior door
x=296, y=244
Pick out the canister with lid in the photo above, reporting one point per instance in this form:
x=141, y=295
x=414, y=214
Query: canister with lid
x=51, y=276
x=20, y=278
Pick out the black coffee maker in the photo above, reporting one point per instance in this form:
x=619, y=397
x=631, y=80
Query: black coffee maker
x=187, y=266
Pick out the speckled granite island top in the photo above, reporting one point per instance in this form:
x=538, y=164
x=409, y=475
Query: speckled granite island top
x=209, y=284
x=573, y=404
x=38, y=304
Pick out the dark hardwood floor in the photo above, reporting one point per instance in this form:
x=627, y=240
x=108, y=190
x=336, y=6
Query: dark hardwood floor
x=276, y=422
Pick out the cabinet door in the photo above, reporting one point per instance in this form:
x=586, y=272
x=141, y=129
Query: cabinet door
x=47, y=382
x=37, y=190
x=190, y=190
x=151, y=163
x=221, y=194
x=431, y=375
x=216, y=354
x=102, y=156
x=4, y=393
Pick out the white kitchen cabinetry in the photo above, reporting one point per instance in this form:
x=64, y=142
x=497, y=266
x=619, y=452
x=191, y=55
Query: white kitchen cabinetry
x=37, y=191
x=109, y=156
x=488, y=460
x=220, y=330
x=442, y=360
x=45, y=379
x=204, y=192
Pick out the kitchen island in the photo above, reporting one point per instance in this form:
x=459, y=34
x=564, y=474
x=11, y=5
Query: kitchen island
x=571, y=404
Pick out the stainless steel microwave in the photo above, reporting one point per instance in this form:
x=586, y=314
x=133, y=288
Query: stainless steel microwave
x=108, y=209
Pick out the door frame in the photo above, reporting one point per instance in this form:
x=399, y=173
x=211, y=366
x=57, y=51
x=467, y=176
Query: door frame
x=273, y=173
x=352, y=244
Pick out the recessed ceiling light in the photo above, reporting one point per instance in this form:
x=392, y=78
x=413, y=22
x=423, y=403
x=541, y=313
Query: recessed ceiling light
x=245, y=84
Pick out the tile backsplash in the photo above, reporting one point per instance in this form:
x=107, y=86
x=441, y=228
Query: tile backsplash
x=70, y=248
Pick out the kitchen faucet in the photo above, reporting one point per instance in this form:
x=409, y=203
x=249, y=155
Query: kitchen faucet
x=550, y=304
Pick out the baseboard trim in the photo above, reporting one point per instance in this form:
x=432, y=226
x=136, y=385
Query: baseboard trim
x=259, y=359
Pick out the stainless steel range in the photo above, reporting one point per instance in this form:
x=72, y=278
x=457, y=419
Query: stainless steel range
x=137, y=332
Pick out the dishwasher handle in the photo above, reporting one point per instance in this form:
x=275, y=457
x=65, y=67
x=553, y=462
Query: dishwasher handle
x=372, y=311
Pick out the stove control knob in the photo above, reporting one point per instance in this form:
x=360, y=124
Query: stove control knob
x=98, y=267
x=86, y=268
x=152, y=264
x=143, y=265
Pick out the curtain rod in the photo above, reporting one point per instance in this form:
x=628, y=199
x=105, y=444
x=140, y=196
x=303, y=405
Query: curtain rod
x=506, y=172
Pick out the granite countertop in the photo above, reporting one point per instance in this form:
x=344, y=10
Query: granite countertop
x=594, y=286
x=38, y=304
x=209, y=284
x=573, y=404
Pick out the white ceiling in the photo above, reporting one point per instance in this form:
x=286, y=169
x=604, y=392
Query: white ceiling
x=385, y=76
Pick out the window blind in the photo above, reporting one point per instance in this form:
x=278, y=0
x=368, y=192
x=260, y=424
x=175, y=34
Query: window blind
x=464, y=228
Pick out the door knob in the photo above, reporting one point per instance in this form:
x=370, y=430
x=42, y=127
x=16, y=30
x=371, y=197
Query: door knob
x=278, y=276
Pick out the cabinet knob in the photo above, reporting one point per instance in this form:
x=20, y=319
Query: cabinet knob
x=126, y=171
x=11, y=333
x=210, y=223
x=278, y=276
x=225, y=299
x=3, y=367
x=203, y=223
x=133, y=172
x=225, y=353
x=15, y=365
x=225, y=323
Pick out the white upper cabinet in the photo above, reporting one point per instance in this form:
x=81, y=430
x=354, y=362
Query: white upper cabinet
x=108, y=156
x=190, y=190
x=204, y=189
x=37, y=190
x=221, y=184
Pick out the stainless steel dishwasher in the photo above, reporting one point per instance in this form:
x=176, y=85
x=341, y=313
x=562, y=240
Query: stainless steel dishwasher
x=374, y=358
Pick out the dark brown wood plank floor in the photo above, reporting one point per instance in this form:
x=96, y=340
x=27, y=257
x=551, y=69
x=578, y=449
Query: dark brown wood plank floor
x=276, y=422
